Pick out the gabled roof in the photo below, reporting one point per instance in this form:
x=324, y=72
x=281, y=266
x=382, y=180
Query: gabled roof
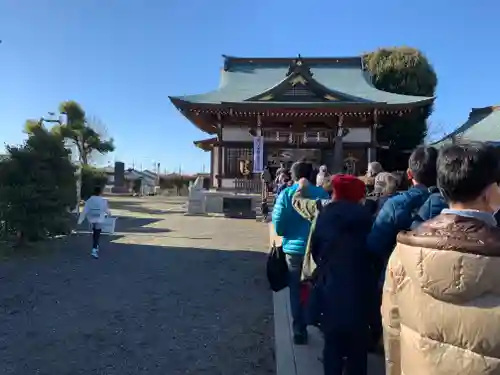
x=483, y=125
x=335, y=80
x=149, y=173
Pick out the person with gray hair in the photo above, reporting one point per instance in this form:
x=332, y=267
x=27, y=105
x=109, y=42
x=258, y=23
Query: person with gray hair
x=322, y=175
x=385, y=186
x=374, y=168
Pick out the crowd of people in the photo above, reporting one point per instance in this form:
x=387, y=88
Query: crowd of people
x=417, y=267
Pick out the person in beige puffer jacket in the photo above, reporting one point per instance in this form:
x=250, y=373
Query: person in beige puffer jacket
x=441, y=299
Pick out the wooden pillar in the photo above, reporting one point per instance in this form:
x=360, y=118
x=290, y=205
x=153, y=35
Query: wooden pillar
x=219, y=151
x=256, y=176
x=212, y=167
x=372, y=150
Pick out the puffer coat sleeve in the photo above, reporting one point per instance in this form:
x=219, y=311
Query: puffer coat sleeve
x=390, y=317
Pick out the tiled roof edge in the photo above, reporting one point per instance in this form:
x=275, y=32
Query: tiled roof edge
x=483, y=110
x=230, y=60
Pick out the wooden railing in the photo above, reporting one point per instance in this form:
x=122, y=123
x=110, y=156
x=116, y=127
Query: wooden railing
x=248, y=186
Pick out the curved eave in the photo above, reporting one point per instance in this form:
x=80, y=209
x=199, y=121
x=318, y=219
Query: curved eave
x=476, y=117
x=185, y=107
x=194, y=111
x=206, y=144
x=328, y=105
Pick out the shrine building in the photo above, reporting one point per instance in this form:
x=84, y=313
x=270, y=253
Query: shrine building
x=482, y=125
x=322, y=109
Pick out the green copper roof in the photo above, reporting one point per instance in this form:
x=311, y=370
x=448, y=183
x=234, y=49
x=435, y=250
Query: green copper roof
x=483, y=125
x=246, y=78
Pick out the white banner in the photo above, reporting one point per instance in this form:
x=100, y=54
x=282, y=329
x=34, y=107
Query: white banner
x=258, y=154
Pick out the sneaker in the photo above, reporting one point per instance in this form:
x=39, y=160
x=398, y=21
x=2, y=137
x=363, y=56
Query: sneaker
x=300, y=338
x=95, y=253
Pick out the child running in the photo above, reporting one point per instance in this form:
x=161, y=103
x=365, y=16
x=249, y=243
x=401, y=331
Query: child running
x=95, y=211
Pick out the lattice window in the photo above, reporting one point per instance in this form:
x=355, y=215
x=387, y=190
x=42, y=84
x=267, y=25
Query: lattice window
x=299, y=91
x=234, y=158
x=313, y=136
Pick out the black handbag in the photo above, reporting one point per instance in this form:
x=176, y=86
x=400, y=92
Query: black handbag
x=277, y=269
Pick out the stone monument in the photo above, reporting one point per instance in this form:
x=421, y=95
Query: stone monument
x=196, y=198
x=119, y=178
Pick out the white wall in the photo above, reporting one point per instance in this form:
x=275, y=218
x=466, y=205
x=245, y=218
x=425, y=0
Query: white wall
x=236, y=134
x=356, y=135
x=216, y=160
x=227, y=183
x=215, y=166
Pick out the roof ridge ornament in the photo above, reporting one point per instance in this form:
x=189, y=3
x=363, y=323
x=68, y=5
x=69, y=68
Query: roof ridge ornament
x=299, y=67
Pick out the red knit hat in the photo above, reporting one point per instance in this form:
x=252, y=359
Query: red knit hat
x=348, y=187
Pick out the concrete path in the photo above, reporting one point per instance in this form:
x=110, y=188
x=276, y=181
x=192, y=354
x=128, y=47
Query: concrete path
x=169, y=295
x=301, y=360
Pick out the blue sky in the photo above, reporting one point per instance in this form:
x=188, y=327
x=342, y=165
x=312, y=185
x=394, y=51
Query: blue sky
x=122, y=58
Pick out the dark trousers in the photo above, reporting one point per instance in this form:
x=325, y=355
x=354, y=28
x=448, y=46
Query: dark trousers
x=345, y=348
x=294, y=262
x=376, y=330
x=96, y=235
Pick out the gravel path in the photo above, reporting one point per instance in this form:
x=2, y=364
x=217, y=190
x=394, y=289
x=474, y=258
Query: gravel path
x=169, y=295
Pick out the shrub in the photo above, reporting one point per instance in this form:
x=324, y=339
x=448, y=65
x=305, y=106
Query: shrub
x=175, y=180
x=37, y=187
x=91, y=178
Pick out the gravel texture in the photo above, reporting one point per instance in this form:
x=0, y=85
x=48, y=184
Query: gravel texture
x=169, y=295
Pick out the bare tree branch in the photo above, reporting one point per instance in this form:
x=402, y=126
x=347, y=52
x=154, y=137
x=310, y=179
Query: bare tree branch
x=436, y=131
x=96, y=124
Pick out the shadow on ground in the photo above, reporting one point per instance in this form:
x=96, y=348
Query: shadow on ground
x=138, y=206
x=137, y=310
x=129, y=224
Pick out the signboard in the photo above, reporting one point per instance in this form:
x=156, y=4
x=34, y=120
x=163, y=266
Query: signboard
x=258, y=154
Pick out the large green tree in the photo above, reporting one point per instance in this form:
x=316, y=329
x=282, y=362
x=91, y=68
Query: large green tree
x=81, y=132
x=402, y=70
x=37, y=186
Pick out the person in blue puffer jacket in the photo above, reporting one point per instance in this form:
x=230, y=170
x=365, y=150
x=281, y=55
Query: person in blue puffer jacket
x=431, y=208
x=399, y=212
x=295, y=232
